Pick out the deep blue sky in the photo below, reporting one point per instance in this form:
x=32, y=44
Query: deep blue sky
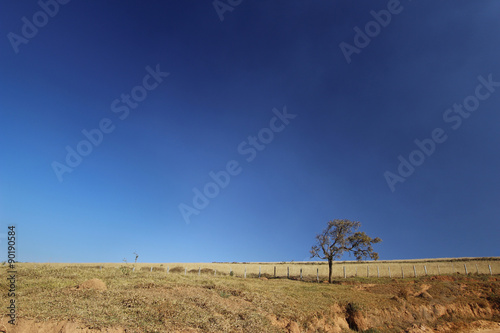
x=352, y=122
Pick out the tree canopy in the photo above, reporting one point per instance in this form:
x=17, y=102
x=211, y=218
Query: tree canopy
x=341, y=236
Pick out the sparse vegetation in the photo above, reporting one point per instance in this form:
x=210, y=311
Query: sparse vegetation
x=145, y=301
x=125, y=270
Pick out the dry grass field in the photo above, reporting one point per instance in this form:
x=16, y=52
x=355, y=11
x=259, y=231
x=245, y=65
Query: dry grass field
x=84, y=298
x=381, y=268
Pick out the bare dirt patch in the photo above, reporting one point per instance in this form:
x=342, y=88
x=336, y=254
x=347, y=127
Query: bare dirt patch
x=32, y=326
x=94, y=284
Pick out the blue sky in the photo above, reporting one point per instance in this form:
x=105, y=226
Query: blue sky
x=230, y=84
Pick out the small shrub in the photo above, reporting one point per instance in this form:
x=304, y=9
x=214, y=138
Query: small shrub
x=403, y=293
x=125, y=270
x=155, y=269
x=494, y=300
x=207, y=271
x=177, y=269
x=223, y=294
x=232, y=273
x=352, y=308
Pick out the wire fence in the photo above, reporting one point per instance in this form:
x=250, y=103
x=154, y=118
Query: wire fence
x=319, y=272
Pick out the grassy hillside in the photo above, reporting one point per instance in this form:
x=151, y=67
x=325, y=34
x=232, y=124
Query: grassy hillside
x=144, y=301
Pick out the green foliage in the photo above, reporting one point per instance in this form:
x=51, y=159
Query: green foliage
x=3, y=263
x=223, y=294
x=231, y=273
x=125, y=270
x=352, y=308
x=341, y=236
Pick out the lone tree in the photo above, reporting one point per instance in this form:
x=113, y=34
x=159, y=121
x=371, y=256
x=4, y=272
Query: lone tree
x=341, y=236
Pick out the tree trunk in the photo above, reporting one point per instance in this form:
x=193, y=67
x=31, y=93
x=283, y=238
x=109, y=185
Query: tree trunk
x=330, y=262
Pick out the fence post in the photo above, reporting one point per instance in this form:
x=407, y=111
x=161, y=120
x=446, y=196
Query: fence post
x=287, y=272
x=215, y=271
x=390, y=272
x=133, y=269
x=452, y=268
x=465, y=267
x=344, y=273
x=230, y=271
x=439, y=271
x=301, y=274
x=168, y=269
x=274, y=271
x=367, y=271
x=489, y=267
x=317, y=274
x=199, y=271
x=245, y=272
x=414, y=271
x=378, y=272
x=185, y=270
x=402, y=272
x=425, y=268
x=259, y=271
x=356, y=271
x=151, y=269
x=477, y=270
